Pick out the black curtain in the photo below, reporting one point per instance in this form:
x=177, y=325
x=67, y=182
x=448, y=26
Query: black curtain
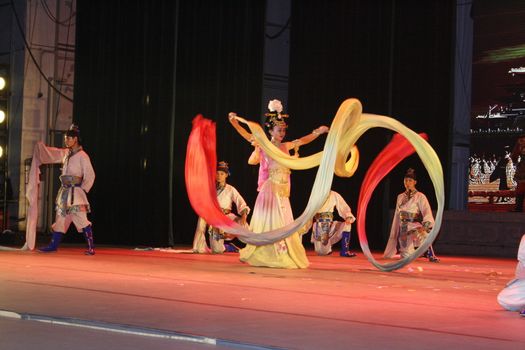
x=396, y=58
x=219, y=70
x=145, y=69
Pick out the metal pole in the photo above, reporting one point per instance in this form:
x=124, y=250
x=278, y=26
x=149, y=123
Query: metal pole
x=171, y=239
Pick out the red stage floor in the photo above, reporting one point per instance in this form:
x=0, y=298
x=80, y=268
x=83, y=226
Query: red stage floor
x=127, y=299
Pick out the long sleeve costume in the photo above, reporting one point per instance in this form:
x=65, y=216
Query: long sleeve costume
x=226, y=196
x=412, y=219
x=77, y=178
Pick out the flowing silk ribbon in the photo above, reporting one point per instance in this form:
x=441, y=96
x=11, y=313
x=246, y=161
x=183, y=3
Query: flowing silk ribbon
x=348, y=125
x=398, y=149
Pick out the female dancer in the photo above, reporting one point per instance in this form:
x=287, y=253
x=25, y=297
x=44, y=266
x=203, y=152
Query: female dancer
x=272, y=208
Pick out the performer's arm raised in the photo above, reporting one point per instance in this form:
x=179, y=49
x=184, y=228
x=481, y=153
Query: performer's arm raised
x=309, y=138
x=49, y=155
x=235, y=123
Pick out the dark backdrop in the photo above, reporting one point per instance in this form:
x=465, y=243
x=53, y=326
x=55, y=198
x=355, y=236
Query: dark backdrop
x=126, y=104
x=123, y=89
x=145, y=68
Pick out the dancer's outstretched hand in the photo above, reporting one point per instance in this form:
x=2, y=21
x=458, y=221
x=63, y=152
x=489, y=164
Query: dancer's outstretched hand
x=323, y=129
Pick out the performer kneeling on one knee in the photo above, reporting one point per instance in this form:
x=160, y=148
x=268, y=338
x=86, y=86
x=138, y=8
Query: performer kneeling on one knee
x=227, y=195
x=412, y=221
x=326, y=232
x=77, y=179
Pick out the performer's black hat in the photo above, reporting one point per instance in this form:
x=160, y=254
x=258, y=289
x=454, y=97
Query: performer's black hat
x=411, y=174
x=223, y=166
x=73, y=131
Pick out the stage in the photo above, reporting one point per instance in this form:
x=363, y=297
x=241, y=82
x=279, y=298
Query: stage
x=128, y=299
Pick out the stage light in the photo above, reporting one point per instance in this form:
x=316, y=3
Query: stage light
x=4, y=79
x=5, y=95
x=3, y=113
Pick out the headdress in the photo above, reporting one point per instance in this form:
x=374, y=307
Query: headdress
x=275, y=116
x=411, y=174
x=223, y=166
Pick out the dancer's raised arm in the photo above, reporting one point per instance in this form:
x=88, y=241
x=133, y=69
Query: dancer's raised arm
x=235, y=123
x=312, y=136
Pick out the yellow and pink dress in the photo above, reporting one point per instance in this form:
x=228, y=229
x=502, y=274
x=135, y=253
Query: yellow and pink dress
x=272, y=210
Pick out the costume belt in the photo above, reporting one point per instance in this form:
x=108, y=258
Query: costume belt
x=69, y=182
x=406, y=216
x=279, y=171
x=322, y=228
x=324, y=216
